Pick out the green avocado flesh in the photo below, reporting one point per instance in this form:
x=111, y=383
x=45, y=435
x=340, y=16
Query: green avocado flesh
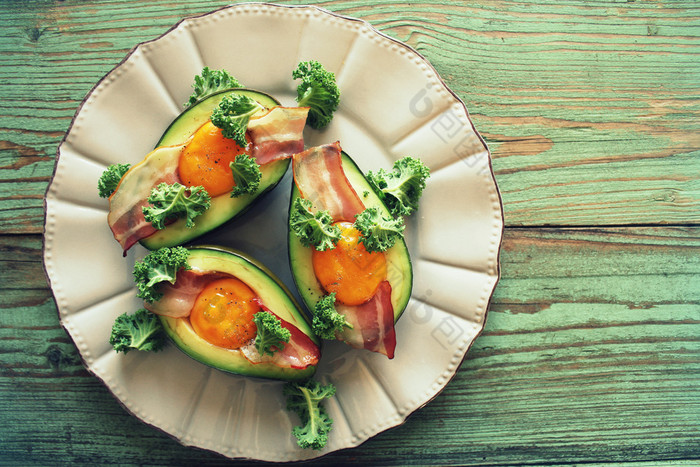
x=223, y=208
x=399, y=270
x=272, y=293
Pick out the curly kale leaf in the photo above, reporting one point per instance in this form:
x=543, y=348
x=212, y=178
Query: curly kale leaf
x=305, y=400
x=211, y=82
x=318, y=91
x=326, y=319
x=110, y=178
x=158, y=266
x=378, y=232
x=141, y=331
x=232, y=116
x=246, y=175
x=313, y=229
x=168, y=202
x=401, y=188
x=271, y=336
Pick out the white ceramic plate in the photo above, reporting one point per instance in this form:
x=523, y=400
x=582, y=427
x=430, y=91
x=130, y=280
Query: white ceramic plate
x=393, y=104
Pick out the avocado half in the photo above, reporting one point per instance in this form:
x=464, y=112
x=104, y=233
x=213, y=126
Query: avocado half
x=399, y=269
x=223, y=208
x=272, y=293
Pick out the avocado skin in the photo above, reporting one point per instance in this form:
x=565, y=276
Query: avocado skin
x=399, y=268
x=223, y=208
x=273, y=294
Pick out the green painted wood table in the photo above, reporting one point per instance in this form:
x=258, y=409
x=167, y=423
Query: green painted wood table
x=591, y=351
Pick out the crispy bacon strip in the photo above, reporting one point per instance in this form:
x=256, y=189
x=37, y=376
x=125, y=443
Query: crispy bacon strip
x=125, y=216
x=278, y=134
x=300, y=352
x=319, y=177
x=372, y=323
x=179, y=299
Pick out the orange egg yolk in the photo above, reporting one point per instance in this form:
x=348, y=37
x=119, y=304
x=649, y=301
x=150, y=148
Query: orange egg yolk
x=223, y=313
x=349, y=269
x=206, y=158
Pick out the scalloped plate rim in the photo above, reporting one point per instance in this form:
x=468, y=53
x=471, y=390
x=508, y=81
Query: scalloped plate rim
x=496, y=277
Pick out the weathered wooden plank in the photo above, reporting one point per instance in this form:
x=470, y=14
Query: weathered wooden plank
x=590, y=109
x=590, y=354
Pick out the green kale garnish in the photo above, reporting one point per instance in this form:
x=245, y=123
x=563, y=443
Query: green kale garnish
x=246, y=174
x=378, y=232
x=232, y=116
x=168, y=202
x=141, y=331
x=158, y=266
x=211, y=82
x=271, y=336
x=401, y=188
x=326, y=319
x=110, y=179
x=305, y=400
x=313, y=229
x=318, y=91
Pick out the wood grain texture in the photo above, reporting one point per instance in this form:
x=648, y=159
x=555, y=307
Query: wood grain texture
x=581, y=361
x=591, y=352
